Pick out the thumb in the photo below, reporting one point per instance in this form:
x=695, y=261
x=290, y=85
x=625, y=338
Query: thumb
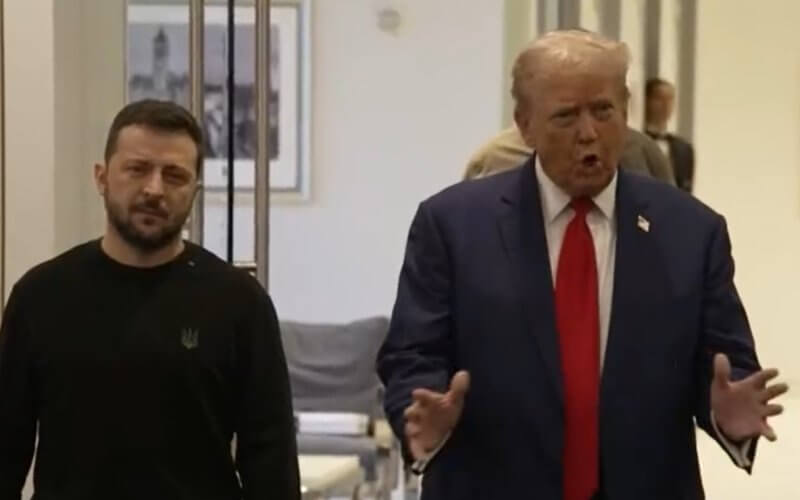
x=459, y=385
x=722, y=370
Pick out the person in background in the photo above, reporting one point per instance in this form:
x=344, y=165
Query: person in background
x=508, y=150
x=659, y=106
x=139, y=356
x=559, y=327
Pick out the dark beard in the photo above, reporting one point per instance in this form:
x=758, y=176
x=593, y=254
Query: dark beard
x=143, y=242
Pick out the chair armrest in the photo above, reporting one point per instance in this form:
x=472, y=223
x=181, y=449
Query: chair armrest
x=384, y=437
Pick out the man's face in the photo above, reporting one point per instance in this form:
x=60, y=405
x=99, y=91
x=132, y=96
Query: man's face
x=660, y=104
x=149, y=186
x=575, y=119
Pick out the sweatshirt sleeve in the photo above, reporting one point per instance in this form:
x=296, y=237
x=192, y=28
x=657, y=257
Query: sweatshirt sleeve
x=17, y=401
x=266, y=448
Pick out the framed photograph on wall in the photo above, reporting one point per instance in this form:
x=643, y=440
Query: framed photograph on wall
x=158, y=67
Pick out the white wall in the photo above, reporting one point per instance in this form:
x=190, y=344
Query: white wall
x=747, y=133
x=395, y=117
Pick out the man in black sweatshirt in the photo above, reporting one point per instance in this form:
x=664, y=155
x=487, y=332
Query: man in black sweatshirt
x=140, y=356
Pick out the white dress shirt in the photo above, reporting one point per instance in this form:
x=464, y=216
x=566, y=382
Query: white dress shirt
x=661, y=141
x=602, y=224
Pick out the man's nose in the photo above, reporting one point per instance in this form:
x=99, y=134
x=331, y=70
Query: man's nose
x=154, y=185
x=587, y=133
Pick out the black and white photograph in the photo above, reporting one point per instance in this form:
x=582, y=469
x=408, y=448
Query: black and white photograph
x=158, y=67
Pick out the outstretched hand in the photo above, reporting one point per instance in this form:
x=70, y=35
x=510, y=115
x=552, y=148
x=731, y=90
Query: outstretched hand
x=741, y=408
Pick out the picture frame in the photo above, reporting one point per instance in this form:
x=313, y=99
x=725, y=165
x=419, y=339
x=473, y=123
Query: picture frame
x=158, y=67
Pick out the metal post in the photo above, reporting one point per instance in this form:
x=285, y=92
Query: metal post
x=230, y=125
x=262, y=187
x=196, y=104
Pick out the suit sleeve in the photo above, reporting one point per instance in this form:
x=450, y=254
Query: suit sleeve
x=266, y=447
x=725, y=330
x=17, y=401
x=657, y=163
x=418, y=350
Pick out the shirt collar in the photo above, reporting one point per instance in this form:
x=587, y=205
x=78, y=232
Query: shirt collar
x=656, y=133
x=555, y=200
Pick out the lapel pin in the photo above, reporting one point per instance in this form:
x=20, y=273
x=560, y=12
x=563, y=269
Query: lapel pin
x=643, y=224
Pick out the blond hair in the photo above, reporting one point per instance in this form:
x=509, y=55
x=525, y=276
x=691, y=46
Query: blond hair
x=573, y=48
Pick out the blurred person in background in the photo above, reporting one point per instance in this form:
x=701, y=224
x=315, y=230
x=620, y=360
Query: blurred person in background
x=659, y=106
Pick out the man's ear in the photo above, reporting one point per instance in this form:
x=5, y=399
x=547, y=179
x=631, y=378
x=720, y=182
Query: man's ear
x=101, y=178
x=522, y=118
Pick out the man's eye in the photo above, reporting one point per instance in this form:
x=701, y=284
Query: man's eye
x=564, y=117
x=603, y=111
x=175, y=177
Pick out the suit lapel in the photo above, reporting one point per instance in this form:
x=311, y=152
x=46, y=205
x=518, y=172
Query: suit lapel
x=522, y=229
x=638, y=279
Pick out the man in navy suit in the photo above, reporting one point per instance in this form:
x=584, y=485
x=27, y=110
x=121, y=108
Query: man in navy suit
x=559, y=327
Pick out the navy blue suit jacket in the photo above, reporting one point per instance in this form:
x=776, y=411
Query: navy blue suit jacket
x=476, y=293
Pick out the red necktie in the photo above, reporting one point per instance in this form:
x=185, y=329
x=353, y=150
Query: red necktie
x=579, y=331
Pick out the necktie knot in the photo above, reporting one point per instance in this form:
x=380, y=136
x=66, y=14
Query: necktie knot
x=582, y=206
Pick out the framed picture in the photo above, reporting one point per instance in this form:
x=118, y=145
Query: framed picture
x=158, y=67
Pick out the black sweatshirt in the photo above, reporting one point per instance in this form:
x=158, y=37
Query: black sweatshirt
x=138, y=380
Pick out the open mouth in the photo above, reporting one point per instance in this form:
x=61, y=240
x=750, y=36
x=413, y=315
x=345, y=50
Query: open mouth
x=590, y=161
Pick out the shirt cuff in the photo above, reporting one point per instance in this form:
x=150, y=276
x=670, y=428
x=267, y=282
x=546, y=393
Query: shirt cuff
x=740, y=453
x=419, y=466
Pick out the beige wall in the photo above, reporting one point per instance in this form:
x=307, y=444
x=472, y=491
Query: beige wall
x=29, y=140
x=63, y=83
x=748, y=158
x=747, y=132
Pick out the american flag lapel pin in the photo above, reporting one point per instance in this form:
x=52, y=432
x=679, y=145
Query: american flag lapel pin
x=643, y=224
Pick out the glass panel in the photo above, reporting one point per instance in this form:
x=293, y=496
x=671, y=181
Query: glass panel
x=158, y=67
x=215, y=214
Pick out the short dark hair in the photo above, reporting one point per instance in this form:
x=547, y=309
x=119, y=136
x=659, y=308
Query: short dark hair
x=652, y=84
x=163, y=116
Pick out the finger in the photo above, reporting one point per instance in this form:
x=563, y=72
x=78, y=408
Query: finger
x=722, y=370
x=760, y=379
x=771, y=410
x=413, y=430
x=417, y=451
x=768, y=432
x=424, y=397
x=459, y=385
x=412, y=412
x=773, y=392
